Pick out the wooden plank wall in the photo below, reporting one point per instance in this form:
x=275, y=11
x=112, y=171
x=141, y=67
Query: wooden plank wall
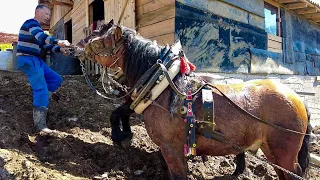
x=274, y=43
x=156, y=20
x=58, y=12
x=113, y=9
x=78, y=21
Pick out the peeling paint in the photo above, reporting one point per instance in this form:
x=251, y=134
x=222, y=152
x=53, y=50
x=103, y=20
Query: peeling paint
x=214, y=43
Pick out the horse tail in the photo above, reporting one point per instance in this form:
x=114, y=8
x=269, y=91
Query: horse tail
x=303, y=156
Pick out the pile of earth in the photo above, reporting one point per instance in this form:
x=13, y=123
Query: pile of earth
x=82, y=149
x=8, y=38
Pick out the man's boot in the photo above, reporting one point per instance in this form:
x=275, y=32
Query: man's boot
x=40, y=118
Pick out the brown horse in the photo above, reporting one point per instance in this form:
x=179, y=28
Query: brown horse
x=271, y=101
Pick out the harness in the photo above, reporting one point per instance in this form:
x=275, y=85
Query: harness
x=158, y=78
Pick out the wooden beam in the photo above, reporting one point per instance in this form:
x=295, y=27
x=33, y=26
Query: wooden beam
x=315, y=17
x=296, y=5
x=288, y=1
x=306, y=11
x=87, y=12
x=56, y=2
x=312, y=15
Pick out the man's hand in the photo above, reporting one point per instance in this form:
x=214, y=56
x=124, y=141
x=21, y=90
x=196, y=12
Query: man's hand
x=63, y=43
x=65, y=51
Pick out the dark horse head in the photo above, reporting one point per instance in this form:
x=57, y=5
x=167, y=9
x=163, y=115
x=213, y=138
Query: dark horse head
x=116, y=46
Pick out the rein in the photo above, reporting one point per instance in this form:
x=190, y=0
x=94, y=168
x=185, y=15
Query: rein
x=182, y=94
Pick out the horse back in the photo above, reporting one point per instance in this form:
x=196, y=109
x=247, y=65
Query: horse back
x=264, y=96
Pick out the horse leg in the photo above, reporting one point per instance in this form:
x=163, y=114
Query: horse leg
x=175, y=161
x=285, y=158
x=125, y=118
x=121, y=113
x=240, y=164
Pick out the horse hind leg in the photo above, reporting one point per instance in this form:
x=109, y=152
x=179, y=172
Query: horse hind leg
x=286, y=158
x=175, y=161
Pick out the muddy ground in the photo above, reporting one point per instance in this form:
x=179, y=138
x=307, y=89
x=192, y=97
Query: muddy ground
x=83, y=149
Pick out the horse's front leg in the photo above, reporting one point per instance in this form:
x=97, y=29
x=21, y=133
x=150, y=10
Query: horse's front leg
x=122, y=113
x=240, y=164
x=176, y=162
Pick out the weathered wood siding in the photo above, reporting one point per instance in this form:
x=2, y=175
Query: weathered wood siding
x=58, y=12
x=78, y=21
x=217, y=36
x=113, y=9
x=58, y=30
x=156, y=20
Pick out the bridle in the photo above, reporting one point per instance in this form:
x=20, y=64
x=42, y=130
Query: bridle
x=95, y=49
x=107, y=51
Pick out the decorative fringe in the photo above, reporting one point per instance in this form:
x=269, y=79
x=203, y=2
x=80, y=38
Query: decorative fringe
x=186, y=67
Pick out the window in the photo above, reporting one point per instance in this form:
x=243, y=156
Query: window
x=272, y=19
x=273, y=26
x=96, y=14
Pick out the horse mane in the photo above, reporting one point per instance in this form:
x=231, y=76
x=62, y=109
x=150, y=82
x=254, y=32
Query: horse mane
x=143, y=53
x=140, y=55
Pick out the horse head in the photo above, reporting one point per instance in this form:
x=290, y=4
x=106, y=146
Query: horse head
x=106, y=45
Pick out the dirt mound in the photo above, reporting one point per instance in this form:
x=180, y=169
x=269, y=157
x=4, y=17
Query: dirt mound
x=8, y=38
x=83, y=149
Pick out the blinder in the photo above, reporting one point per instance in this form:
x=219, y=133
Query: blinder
x=98, y=47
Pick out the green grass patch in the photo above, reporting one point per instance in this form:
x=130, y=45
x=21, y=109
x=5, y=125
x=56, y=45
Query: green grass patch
x=3, y=47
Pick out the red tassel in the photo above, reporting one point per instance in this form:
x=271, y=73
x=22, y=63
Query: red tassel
x=192, y=66
x=183, y=66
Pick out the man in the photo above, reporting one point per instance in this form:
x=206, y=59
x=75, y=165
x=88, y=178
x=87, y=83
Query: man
x=43, y=80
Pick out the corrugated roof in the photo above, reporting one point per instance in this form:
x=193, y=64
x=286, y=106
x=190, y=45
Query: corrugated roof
x=306, y=8
x=313, y=2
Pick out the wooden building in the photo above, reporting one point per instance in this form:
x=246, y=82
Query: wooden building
x=218, y=36
x=242, y=39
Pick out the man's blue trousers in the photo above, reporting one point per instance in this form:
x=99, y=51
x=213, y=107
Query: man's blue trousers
x=41, y=78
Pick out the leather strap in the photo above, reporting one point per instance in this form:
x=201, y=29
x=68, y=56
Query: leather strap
x=208, y=113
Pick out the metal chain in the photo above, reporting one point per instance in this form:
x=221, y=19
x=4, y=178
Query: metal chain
x=238, y=148
x=110, y=80
x=276, y=166
x=259, y=158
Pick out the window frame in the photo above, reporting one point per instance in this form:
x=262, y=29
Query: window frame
x=278, y=18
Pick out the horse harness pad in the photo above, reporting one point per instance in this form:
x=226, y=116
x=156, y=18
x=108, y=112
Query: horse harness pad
x=153, y=76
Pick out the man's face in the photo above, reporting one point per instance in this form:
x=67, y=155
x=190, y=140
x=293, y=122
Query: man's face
x=44, y=15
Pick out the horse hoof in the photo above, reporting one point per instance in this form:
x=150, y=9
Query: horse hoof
x=125, y=144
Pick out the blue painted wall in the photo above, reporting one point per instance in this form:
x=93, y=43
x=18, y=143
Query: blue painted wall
x=302, y=44
x=219, y=44
x=214, y=43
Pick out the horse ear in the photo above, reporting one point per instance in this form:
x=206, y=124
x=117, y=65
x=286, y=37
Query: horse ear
x=111, y=22
x=81, y=43
x=118, y=33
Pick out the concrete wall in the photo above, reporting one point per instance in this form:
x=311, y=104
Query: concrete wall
x=308, y=87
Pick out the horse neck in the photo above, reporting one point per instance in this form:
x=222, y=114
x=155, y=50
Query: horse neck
x=140, y=55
